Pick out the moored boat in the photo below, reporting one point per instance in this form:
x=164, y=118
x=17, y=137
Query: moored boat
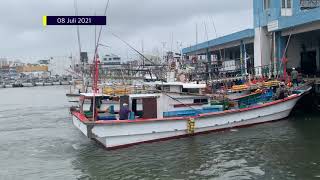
x=56, y=83
x=39, y=83
x=164, y=116
x=65, y=83
x=27, y=84
x=8, y=85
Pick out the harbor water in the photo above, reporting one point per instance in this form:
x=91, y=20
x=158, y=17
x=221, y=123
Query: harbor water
x=38, y=141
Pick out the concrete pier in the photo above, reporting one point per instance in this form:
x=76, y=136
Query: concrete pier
x=62, y=83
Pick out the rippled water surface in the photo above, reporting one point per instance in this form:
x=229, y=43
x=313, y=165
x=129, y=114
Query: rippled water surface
x=38, y=141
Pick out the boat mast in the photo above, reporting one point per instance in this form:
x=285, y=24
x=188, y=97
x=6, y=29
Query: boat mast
x=96, y=65
x=284, y=59
x=79, y=47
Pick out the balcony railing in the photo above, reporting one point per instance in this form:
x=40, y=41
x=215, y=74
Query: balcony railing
x=309, y=4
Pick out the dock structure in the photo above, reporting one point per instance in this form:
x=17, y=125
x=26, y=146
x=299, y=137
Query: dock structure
x=285, y=34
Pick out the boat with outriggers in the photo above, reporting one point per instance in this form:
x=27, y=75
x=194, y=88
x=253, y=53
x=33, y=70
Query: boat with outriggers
x=175, y=110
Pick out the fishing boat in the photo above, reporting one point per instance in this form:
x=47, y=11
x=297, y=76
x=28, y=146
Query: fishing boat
x=39, y=83
x=27, y=84
x=65, y=83
x=173, y=115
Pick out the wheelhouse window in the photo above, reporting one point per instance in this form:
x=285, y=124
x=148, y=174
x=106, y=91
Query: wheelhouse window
x=204, y=101
x=87, y=105
x=266, y=4
x=195, y=91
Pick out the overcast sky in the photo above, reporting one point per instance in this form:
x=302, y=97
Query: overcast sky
x=149, y=21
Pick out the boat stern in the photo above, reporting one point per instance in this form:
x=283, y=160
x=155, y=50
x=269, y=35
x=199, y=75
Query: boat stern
x=79, y=121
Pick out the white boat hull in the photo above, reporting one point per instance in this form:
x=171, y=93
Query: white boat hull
x=27, y=85
x=8, y=86
x=39, y=84
x=124, y=133
x=47, y=84
x=65, y=83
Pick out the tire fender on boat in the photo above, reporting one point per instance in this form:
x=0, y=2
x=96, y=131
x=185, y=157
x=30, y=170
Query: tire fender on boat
x=191, y=126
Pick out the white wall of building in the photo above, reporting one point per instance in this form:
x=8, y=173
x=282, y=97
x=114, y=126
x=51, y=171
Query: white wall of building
x=3, y=62
x=262, y=48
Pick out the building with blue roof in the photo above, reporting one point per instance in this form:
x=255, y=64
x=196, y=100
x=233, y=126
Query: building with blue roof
x=283, y=31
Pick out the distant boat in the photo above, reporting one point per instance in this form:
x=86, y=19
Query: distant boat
x=27, y=84
x=39, y=84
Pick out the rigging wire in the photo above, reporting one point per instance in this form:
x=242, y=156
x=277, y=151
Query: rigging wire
x=130, y=46
x=78, y=30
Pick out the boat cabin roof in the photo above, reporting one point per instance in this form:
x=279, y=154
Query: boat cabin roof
x=91, y=95
x=133, y=96
x=184, y=85
x=139, y=96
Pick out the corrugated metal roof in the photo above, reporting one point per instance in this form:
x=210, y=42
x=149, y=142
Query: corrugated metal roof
x=248, y=33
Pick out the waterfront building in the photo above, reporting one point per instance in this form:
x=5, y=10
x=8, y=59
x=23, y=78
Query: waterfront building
x=110, y=60
x=32, y=68
x=3, y=62
x=285, y=32
x=4, y=70
x=44, y=62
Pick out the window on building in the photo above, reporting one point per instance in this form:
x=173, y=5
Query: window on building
x=266, y=4
x=289, y=4
x=309, y=4
x=286, y=8
x=286, y=4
